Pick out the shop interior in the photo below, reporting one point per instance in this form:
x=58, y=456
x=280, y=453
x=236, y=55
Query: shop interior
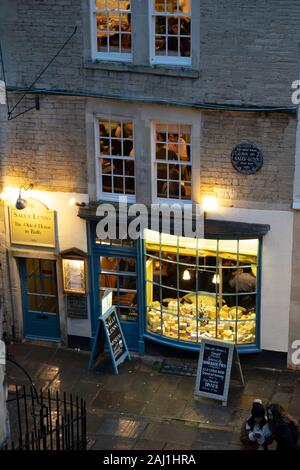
x=201, y=288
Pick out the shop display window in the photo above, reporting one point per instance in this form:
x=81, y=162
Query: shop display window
x=171, y=31
x=116, y=157
x=113, y=29
x=173, y=165
x=201, y=288
x=119, y=275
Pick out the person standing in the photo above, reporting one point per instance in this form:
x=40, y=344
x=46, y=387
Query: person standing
x=284, y=426
x=255, y=431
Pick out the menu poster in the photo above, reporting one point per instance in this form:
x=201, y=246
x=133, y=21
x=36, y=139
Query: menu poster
x=115, y=335
x=74, y=275
x=214, y=369
x=115, y=340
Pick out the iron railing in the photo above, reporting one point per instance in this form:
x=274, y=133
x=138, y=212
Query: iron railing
x=45, y=421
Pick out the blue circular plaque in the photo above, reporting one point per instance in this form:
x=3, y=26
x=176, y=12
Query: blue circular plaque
x=247, y=158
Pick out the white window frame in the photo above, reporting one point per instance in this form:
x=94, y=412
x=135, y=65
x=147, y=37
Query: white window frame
x=109, y=56
x=166, y=60
x=131, y=198
x=155, y=198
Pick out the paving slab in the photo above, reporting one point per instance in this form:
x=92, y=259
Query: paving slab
x=142, y=408
x=171, y=432
x=122, y=427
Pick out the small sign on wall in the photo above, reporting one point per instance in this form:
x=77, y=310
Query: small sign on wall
x=77, y=306
x=247, y=158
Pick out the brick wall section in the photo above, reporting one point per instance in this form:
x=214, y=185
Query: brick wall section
x=274, y=134
x=47, y=147
x=249, y=52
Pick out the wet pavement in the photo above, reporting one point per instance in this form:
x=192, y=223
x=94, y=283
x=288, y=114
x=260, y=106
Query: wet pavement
x=144, y=408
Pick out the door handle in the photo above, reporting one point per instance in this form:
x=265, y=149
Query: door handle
x=42, y=317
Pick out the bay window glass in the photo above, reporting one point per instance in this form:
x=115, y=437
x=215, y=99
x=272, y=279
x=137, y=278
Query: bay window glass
x=171, y=31
x=112, y=37
x=201, y=288
x=173, y=166
x=116, y=157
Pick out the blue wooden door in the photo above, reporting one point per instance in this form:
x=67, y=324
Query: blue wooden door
x=119, y=273
x=39, y=299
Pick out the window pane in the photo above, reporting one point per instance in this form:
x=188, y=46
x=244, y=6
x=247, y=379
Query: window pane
x=185, y=47
x=49, y=304
x=129, y=168
x=118, y=185
x=160, y=45
x=47, y=268
x=107, y=184
x=32, y=267
x=34, y=285
x=100, y=4
x=160, y=25
x=162, y=188
x=34, y=303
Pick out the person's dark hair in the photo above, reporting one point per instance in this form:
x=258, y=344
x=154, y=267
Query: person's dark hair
x=258, y=411
x=279, y=416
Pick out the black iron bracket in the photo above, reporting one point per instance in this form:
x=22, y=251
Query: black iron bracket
x=10, y=115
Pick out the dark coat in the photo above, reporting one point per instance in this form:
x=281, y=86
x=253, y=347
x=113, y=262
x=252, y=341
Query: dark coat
x=286, y=435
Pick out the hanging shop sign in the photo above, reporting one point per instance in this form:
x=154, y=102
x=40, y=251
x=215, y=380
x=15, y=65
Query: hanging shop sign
x=246, y=158
x=109, y=322
x=214, y=369
x=34, y=225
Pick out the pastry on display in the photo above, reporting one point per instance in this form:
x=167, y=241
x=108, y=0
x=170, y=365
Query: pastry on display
x=180, y=321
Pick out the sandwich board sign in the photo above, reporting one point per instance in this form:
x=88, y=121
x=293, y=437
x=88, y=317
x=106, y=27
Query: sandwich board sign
x=110, y=323
x=214, y=369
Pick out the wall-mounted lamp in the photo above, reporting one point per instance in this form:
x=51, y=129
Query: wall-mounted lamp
x=73, y=202
x=21, y=203
x=210, y=203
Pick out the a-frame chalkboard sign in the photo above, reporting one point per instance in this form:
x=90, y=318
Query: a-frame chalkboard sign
x=214, y=369
x=110, y=323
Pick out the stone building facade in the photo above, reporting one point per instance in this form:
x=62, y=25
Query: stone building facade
x=236, y=88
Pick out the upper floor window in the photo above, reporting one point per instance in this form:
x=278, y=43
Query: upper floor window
x=112, y=29
x=115, y=158
x=172, y=161
x=171, y=32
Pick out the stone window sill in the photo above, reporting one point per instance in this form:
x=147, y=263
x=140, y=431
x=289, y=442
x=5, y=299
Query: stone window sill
x=171, y=71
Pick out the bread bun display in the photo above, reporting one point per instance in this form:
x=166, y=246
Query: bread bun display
x=185, y=322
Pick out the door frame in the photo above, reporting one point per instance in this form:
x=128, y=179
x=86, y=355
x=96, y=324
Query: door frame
x=13, y=257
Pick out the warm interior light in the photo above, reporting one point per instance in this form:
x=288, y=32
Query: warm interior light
x=210, y=203
x=3, y=196
x=72, y=201
x=216, y=279
x=186, y=275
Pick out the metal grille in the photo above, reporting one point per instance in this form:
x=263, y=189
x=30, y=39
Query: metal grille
x=46, y=421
